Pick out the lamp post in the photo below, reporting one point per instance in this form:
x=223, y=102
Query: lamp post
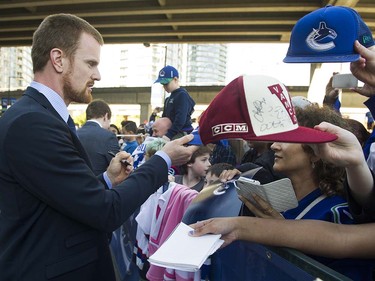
x=147, y=45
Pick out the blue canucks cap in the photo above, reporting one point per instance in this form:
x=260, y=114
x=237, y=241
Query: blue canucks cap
x=328, y=35
x=166, y=74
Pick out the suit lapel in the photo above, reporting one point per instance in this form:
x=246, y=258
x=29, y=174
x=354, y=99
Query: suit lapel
x=40, y=98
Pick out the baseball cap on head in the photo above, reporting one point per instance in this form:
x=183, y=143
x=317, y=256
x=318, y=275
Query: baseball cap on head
x=328, y=35
x=258, y=108
x=166, y=74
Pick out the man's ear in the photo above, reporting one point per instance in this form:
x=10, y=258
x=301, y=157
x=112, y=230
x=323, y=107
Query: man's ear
x=56, y=57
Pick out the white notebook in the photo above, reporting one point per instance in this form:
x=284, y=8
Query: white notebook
x=279, y=194
x=184, y=252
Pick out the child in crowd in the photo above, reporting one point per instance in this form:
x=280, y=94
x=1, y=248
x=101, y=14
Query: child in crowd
x=179, y=106
x=192, y=173
x=130, y=130
x=214, y=172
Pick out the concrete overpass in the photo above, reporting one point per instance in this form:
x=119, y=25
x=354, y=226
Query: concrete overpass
x=172, y=21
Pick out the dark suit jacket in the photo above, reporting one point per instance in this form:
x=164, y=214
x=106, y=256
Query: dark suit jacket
x=97, y=142
x=54, y=212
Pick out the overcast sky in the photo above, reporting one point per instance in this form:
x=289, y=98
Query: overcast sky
x=266, y=59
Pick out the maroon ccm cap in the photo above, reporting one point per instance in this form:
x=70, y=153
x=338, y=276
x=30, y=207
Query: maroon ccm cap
x=258, y=108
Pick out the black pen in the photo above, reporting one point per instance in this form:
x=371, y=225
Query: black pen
x=126, y=163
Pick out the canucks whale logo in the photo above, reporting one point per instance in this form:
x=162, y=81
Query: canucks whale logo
x=321, y=39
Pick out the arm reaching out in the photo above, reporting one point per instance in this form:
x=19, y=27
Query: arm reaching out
x=347, y=152
x=177, y=150
x=340, y=240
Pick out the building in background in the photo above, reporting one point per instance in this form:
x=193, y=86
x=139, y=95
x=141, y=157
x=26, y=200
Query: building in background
x=15, y=71
x=15, y=68
x=130, y=65
x=138, y=65
x=206, y=64
x=135, y=65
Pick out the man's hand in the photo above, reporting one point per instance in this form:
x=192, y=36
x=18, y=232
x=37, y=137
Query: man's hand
x=364, y=68
x=178, y=151
x=166, y=138
x=366, y=90
x=345, y=151
x=118, y=170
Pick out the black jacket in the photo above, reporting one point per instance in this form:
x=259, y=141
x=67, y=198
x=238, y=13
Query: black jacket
x=55, y=212
x=179, y=107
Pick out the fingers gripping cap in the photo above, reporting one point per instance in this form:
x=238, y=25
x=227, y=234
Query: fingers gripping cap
x=257, y=108
x=328, y=35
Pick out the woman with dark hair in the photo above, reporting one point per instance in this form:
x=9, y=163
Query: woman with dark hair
x=114, y=129
x=318, y=185
x=359, y=130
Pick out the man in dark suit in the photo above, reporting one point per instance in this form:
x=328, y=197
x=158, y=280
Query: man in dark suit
x=55, y=213
x=95, y=136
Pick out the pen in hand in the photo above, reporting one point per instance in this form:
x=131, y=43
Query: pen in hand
x=126, y=163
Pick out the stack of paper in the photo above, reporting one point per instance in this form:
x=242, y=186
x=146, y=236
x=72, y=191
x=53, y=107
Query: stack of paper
x=184, y=252
x=279, y=194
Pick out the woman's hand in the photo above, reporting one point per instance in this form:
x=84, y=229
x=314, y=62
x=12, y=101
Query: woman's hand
x=261, y=208
x=227, y=227
x=227, y=175
x=345, y=152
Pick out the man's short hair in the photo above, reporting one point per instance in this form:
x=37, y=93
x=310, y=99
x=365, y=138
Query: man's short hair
x=131, y=126
x=97, y=109
x=61, y=31
x=218, y=168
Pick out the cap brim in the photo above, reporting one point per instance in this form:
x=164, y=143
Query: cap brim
x=299, y=135
x=163, y=80
x=321, y=59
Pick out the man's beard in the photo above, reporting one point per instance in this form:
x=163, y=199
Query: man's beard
x=73, y=94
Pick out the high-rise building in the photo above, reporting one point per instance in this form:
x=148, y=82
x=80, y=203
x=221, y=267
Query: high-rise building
x=15, y=68
x=203, y=64
x=131, y=65
x=198, y=64
x=206, y=64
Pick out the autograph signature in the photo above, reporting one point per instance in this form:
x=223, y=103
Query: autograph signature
x=276, y=113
